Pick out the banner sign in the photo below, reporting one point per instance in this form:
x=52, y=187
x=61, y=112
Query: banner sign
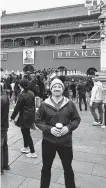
x=28, y=56
x=76, y=53
x=3, y=56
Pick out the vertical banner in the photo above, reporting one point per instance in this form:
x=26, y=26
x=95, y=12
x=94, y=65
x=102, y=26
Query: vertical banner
x=28, y=56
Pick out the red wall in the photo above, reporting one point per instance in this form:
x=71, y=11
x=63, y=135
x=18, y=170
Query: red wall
x=44, y=59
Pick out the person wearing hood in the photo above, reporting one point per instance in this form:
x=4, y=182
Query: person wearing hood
x=57, y=118
x=96, y=102
x=25, y=109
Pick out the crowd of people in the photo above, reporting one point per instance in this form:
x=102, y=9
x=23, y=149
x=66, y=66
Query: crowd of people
x=56, y=115
x=39, y=84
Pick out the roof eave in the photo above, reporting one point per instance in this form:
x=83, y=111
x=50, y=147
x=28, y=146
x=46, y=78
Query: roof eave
x=79, y=17
x=52, y=30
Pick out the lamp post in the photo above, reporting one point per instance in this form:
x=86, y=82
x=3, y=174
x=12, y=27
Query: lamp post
x=101, y=8
x=102, y=19
x=102, y=73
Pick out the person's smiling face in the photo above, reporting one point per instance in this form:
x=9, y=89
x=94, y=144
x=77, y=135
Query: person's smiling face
x=57, y=90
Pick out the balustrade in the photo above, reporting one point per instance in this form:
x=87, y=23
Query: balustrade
x=55, y=39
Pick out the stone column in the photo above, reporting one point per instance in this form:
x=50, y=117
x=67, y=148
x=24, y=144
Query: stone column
x=56, y=39
x=43, y=40
x=25, y=42
x=13, y=43
x=102, y=74
x=72, y=39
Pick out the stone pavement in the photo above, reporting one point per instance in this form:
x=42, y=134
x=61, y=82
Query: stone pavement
x=89, y=164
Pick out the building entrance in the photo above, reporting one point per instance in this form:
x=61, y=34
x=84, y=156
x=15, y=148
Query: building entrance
x=29, y=68
x=91, y=71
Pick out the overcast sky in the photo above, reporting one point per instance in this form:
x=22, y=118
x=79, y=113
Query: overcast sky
x=12, y=6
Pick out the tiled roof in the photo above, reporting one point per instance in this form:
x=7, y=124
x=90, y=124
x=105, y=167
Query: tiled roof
x=45, y=14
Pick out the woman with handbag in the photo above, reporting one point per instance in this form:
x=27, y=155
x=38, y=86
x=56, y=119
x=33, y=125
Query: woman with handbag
x=25, y=107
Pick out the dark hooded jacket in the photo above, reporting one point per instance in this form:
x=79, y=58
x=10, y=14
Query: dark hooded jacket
x=4, y=111
x=47, y=116
x=25, y=106
x=81, y=88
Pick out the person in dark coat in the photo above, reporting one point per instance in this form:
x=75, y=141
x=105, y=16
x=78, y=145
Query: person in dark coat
x=7, y=86
x=73, y=89
x=57, y=117
x=89, y=85
x=4, y=130
x=66, y=92
x=81, y=88
x=25, y=106
x=17, y=90
x=33, y=86
x=41, y=86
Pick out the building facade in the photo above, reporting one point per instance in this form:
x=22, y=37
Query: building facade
x=53, y=37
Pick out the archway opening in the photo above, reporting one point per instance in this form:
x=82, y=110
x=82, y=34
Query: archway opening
x=50, y=40
x=28, y=68
x=62, y=68
x=19, y=42
x=34, y=41
x=78, y=38
x=7, y=43
x=1, y=69
x=64, y=39
x=91, y=71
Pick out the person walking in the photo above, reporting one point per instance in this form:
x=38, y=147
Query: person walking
x=57, y=117
x=81, y=88
x=12, y=91
x=66, y=91
x=96, y=102
x=17, y=90
x=4, y=129
x=73, y=89
x=104, y=106
x=25, y=106
x=33, y=86
x=89, y=85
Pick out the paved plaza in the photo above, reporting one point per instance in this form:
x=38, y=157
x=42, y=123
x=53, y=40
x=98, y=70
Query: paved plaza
x=89, y=164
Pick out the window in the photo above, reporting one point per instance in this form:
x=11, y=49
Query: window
x=64, y=39
x=7, y=43
x=19, y=42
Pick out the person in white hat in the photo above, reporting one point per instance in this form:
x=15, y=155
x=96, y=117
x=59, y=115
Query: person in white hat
x=96, y=102
x=57, y=117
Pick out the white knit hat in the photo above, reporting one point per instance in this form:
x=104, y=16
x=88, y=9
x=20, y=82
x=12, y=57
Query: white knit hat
x=56, y=81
